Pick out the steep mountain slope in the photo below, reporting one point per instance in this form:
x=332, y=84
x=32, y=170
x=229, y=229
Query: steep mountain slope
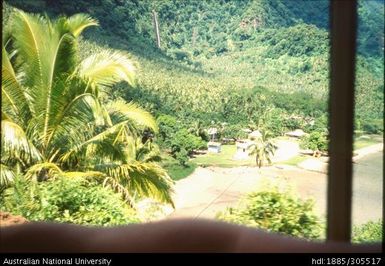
x=206, y=26
x=209, y=49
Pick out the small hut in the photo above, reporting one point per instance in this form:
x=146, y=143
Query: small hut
x=214, y=147
x=243, y=147
x=213, y=133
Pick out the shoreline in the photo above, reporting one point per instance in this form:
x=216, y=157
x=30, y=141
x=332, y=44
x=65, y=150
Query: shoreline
x=219, y=187
x=360, y=153
x=321, y=164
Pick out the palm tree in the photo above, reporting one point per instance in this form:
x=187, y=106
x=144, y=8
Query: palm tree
x=54, y=121
x=263, y=149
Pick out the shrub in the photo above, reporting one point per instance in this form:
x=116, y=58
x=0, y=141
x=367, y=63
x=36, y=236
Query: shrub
x=182, y=157
x=368, y=232
x=187, y=141
x=234, y=131
x=315, y=141
x=72, y=200
x=293, y=123
x=276, y=212
x=373, y=126
x=168, y=126
x=320, y=124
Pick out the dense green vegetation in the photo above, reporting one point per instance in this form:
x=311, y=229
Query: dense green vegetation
x=316, y=141
x=271, y=54
x=57, y=118
x=284, y=213
x=276, y=211
x=181, y=141
x=369, y=232
x=74, y=200
x=231, y=65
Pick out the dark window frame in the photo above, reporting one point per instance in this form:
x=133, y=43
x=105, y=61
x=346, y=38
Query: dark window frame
x=343, y=25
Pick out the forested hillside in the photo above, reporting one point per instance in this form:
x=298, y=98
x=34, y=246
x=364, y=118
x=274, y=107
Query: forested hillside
x=231, y=61
x=211, y=50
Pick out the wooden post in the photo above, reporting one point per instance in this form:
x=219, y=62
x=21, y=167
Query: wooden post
x=156, y=27
x=343, y=15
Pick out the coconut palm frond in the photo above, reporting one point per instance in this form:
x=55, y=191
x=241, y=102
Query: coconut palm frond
x=111, y=137
x=147, y=152
x=64, y=55
x=149, y=179
x=107, y=150
x=14, y=99
x=107, y=68
x=43, y=171
x=7, y=176
x=115, y=185
x=72, y=123
x=14, y=143
x=30, y=35
x=121, y=110
x=146, y=179
x=49, y=55
x=79, y=22
x=96, y=139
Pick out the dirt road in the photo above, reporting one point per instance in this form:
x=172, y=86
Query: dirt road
x=210, y=190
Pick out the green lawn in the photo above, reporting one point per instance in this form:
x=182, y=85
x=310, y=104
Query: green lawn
x=178, y=172
x=222, y=159
x=358, y=144
x=367, y=140
x=295, y=160
x=175, y=170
